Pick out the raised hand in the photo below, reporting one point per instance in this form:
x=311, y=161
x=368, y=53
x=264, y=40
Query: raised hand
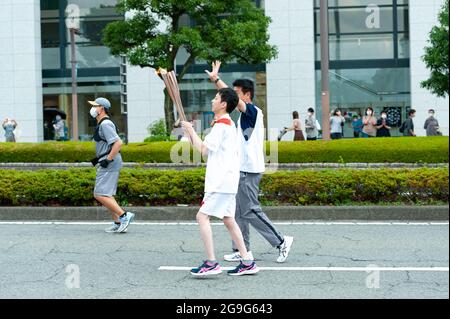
x=214, y=74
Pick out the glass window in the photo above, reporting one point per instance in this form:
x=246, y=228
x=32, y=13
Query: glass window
x=403, y=46
x=92, y=56
x=353, y=3
x=357, y=20
x=360, y=47
x=50, y=34
x=354, y=90
x=403, y=19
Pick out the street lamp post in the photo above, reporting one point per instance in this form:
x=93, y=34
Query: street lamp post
x=325, y=66
x=74, y=85
x=73, y=23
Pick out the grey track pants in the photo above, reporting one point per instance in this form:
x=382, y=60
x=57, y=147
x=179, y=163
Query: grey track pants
x=249, y=212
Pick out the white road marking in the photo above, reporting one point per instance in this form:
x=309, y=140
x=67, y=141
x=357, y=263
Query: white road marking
x=221, y=224
x=341, y=269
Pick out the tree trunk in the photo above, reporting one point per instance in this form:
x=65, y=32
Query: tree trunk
x=168, y=112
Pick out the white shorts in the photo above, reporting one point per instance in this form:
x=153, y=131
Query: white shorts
x=219, y=205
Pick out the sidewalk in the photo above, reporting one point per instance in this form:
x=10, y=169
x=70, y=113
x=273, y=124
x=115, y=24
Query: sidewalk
x=281, y=213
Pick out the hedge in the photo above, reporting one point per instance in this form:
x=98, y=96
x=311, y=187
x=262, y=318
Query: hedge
x=389, y=150
x=139, y=187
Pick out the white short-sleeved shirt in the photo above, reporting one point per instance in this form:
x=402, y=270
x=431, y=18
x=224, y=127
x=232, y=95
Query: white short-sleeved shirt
x=222, y=167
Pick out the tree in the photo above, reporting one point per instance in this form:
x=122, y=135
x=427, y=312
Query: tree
x=436, y=57
x=222, y=30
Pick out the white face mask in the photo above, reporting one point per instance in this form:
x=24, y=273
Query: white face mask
x=93, y=112
x=431, y=114
x=369, y=113
x=384, y=116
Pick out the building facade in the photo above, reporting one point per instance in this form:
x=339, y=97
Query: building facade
x=375, y=60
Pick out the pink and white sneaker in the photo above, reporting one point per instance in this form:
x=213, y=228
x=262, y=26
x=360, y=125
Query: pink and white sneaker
x=206, y=269
x=244, y=269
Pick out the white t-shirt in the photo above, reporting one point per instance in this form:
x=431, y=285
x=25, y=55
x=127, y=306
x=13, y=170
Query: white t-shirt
x=222, y=167
x=251, y=137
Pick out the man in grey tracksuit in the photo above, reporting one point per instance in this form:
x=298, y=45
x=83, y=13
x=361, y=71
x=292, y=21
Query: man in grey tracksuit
x=251, y=136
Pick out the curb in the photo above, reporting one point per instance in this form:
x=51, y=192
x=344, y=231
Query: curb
x=282, y=213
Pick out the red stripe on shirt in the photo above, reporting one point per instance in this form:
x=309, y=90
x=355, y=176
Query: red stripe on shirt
x=223, y=121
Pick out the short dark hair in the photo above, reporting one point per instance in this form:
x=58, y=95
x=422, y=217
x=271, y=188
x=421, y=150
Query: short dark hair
x=431, y=110
x=311, y=110
x=411, y=112
x=230, y=97
x=369, y=109
x=295, y=115
x=246, y=86
x=336, y=111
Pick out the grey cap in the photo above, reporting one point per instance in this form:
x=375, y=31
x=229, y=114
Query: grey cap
x=101, y=101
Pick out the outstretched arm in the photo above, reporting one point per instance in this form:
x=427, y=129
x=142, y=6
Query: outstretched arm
x=194, y=138
x=214, y=77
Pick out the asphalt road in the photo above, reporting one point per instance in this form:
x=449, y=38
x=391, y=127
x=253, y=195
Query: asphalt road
x=327, y=261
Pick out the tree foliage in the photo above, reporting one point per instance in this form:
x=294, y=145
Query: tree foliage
x=436, y=57
x=155, y=30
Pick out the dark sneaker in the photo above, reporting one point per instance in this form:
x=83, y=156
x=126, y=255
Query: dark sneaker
x=244, y=269
x=206, y=269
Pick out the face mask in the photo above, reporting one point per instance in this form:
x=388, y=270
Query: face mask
x=369, y=113
x=384, y=116
x=93, y=112
x=431, y=114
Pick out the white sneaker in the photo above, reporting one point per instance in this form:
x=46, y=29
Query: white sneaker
x=237, y=257
x=285, y=248
x=125, y=221
x=113, y=228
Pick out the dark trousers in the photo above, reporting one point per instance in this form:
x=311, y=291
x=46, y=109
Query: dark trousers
x=249, y=212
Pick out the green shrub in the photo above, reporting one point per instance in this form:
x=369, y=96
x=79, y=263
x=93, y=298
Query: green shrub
x=376, y=150
x=155, y=187
x=157, y=131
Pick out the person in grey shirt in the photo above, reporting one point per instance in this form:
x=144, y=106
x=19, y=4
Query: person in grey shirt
x=409, y=124
x=9, y=125
x=59, y=128
x=432, y=125
x=336, y=125
x=108, y=162
x=311, y=126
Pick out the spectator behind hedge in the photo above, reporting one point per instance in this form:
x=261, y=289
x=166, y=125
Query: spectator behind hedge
x=336, y=124
x=357, y=125
x=369, y=124
x=297, y=127
x=383, y=129
x=432, y=125
x=312, y=131
x=59, y=128
x=409, y=124
x=9, y=125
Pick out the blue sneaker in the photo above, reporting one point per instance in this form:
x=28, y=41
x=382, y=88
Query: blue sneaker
x=125, y=221
x=206, y=269
x=244, y=269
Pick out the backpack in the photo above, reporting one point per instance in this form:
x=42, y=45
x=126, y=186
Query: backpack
x=97, y=137
x=402, y=127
